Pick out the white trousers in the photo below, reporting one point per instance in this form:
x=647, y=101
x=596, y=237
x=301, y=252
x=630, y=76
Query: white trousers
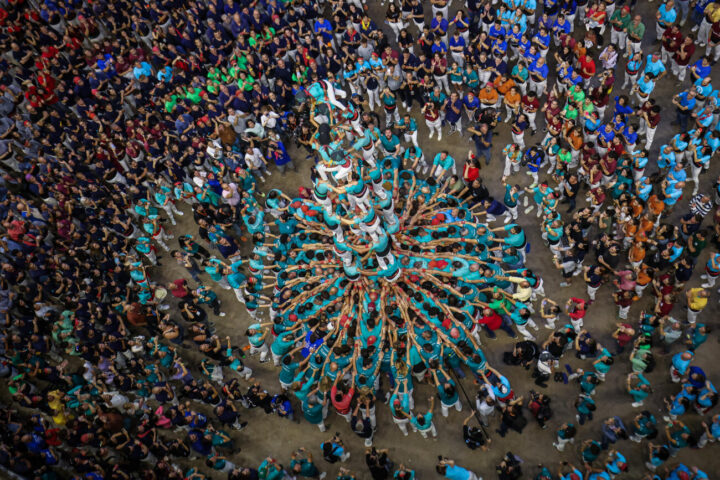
x=445, y=408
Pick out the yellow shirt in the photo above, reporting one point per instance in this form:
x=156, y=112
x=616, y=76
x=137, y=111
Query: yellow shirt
x=713, y=12
x=695, y=301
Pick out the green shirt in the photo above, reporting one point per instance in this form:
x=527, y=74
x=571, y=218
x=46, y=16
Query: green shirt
x=170, y=104
x=635, y=31
x=623, y=19
x=570, y=112
x=565, y=157
x=246, y=83
x=193, y=94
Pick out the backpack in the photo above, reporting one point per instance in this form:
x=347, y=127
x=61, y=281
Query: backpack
x=650, y=362
x=329, y=453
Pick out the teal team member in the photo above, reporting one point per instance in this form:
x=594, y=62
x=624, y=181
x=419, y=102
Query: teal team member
x=442, y=163
x=447, y=391
x=510, y=199
x=302, y=465
x=424, y=423
x=638, y=387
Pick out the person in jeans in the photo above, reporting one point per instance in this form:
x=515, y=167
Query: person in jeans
x=482, y=136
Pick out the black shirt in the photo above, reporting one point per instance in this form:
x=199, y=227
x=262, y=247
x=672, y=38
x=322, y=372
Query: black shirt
x=474, y=437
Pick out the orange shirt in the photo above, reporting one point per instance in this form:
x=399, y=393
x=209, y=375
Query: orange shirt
x=490, y=97
x=512, y=99
x=646, y=225
x=576, y=140
x=637, y=208
x=642, y=276
x=503, y=87
x=630, y=229
x=636, y=253
x=655, y=205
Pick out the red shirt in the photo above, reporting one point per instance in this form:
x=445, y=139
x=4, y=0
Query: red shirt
x=665, y=308
x=492, y=322
x=529, y=106
x=470, y=174
x=180, y=289
x=671, y=41
x=343, y=406
x=579, y=311
x=586, y=63
x=689, y=49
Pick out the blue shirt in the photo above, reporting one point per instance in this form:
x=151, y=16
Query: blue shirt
x=558, y=28
x=645, y=87
x=470, y=104
x=541, y=71
x=686, y=101
x=459, y=42
x=700, y=70
x=496, y=32
x=144, y=69
x=456, y=473
x=667, y=17
x=654, y=67
x=442, y=48
x=680, y=364
x=443, y=24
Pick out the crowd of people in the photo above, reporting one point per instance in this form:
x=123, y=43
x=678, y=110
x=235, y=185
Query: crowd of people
x=118, y=118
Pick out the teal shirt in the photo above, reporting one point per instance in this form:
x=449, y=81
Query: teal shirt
x=307, y=468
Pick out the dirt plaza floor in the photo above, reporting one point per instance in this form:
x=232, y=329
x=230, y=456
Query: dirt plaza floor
x=271, y=435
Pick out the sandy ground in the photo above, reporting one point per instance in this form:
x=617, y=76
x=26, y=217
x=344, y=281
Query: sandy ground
x=271, y=435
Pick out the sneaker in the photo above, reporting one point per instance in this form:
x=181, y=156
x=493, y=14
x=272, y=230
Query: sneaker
x=706, y=285
x=179, y=213
x=439, y=136
x=222, y=314
x=431, y=134
x=695, y=28
x=636, y=404
x=564, y=284
x=704, y=276
x=324, y=474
